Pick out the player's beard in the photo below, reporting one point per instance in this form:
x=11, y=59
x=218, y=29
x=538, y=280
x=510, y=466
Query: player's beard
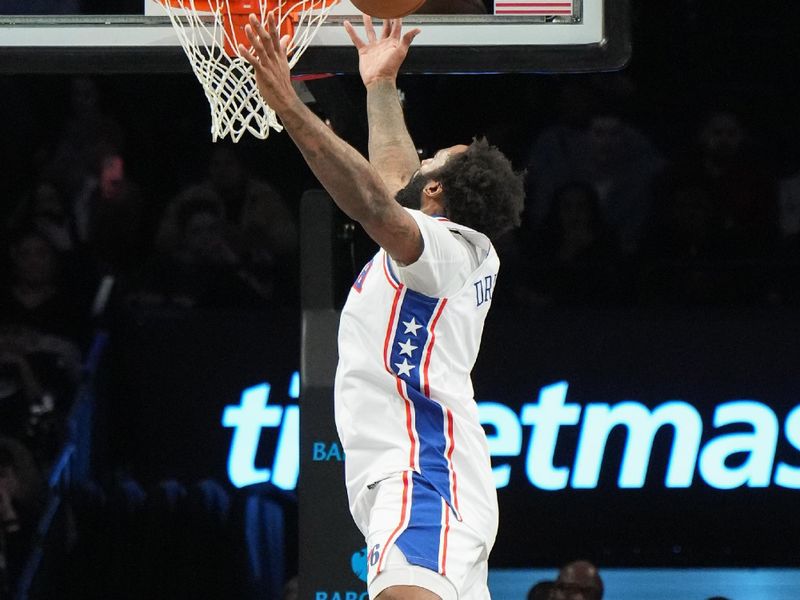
x=411, y=195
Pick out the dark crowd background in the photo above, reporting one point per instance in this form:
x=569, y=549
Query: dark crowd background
x=673, y=183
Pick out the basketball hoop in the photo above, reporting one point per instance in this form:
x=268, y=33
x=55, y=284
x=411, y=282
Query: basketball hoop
x=210, y=32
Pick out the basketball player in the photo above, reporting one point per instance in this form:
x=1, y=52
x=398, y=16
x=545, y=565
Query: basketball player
x=419, y=478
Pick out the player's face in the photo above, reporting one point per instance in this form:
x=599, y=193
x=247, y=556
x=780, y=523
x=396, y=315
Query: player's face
x=411, y=195
x=438, y=160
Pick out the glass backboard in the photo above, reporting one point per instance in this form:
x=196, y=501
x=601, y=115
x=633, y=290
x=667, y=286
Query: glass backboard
x=520, y=36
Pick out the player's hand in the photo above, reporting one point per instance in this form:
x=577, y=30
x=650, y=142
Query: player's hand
x=268, y=56
x=380, y=58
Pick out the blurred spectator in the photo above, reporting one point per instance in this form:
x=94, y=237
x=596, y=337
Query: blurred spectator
x=578, y=580
x=254, y=208
x=196, y=265
x=108, y=214
x=541, y=591
x=88, y=133
x=41, y=327
x=743, y=190
x=19, y=389
x=19, y=503
x=574, y=258
x=45, y=211
x=36, y=296
x=38, y=378
x=597, y=145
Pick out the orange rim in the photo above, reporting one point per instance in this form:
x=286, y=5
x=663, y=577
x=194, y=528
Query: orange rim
x=235, y=15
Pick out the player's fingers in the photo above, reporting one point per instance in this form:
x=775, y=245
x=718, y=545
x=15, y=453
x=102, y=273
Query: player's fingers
x=258, y=37
x=397, y=27
x=387, y=29
x=268, y=40
x=409, y=37
x=248, y=55
x=255, y=42
x=275, y=37
x=256, y=25
x=354, y=37
x=369, y=28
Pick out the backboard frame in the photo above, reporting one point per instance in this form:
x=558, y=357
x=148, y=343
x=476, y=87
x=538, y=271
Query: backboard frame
x=114, y=46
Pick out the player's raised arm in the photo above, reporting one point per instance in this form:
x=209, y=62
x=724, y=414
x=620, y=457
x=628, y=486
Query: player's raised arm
x=352, y=182
x=391, y=149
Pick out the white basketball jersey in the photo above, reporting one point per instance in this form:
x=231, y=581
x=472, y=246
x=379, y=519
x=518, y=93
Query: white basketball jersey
x=403, y=395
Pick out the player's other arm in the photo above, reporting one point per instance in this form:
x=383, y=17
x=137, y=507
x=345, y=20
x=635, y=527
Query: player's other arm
x=391, y=150
x=352, y=182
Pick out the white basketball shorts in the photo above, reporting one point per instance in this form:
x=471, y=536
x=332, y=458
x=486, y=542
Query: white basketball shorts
x=415, y=539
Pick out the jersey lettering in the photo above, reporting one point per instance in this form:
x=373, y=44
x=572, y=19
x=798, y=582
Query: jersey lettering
x=483, y=289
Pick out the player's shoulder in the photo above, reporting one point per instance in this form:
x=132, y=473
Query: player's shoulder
x=440, y=221
x=442, y=225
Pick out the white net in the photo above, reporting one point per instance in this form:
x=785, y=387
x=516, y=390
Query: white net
x=228, y=79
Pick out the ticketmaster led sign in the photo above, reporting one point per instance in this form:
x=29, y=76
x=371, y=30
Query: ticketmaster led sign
x=690, y=456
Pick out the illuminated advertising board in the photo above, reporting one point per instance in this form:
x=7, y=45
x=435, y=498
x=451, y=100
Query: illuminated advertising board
x=545, y=418
x=636, y=439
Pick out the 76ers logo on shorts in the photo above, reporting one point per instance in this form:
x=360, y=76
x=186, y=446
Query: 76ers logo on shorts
x=374, y=555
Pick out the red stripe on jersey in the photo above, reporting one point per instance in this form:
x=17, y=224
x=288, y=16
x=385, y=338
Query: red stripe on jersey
x=443, y=570
x=389, y=277
x=452, y=442
x=412, y=457
x=426, y=386
x=390, y=328
x=390, y=539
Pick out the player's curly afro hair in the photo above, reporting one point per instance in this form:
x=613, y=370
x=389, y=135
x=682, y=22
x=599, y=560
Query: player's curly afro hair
x=482, y=190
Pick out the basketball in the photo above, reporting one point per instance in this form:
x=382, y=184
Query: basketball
x=387, y=9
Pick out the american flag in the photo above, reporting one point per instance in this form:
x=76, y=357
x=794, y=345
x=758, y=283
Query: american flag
x=532, y=7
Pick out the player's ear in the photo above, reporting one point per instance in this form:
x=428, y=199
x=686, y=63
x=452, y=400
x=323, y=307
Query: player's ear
x=433, y=198
x=433, y=190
